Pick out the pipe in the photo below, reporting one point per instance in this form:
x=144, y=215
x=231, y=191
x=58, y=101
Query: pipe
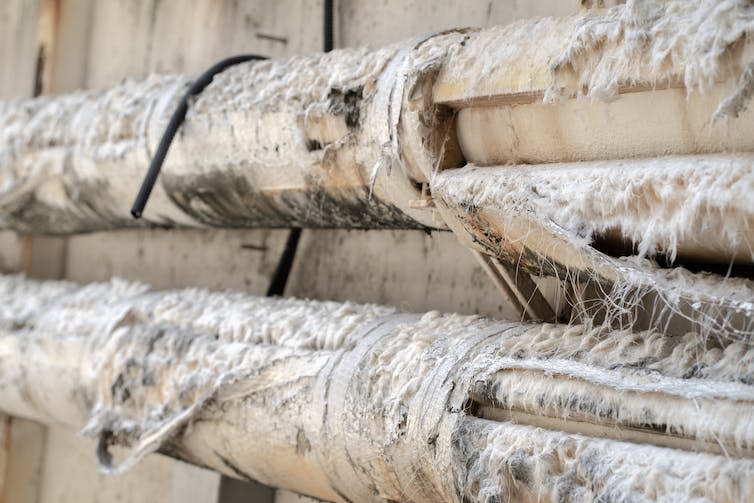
x=354, y=138
x=363, y=403
x=308, y=141
x=568, y=219
x=395, y=137
x=297, y=141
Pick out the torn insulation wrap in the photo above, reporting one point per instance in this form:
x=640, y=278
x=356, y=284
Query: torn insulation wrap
x=353, y=138
x=625, y=232
x=306, y=141
x=644, y=79
x=692, y=209
x=641, y=45
x=363, y=403
x=621, y=138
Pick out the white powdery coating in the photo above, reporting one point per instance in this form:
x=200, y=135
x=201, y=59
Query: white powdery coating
x=655, y=42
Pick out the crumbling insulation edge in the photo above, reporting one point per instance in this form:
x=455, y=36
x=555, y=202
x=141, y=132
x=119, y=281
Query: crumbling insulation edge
x=306, y=141
x=537, y=218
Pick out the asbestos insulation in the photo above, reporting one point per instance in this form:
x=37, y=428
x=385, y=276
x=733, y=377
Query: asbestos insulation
x=361, y=403
x=539, y=218
x=601, y=53
x=669, y=206
x=271, y=143
x=621, y=89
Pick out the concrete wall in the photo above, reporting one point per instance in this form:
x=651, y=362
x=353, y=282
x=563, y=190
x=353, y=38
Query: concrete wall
x=96, y=43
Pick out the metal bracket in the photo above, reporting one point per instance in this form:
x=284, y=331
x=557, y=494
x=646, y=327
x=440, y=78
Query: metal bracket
x=518, y=288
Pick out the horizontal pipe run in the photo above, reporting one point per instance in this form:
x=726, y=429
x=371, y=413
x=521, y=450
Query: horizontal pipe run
x=303, y=142
x=364, y=403
x=352, y=138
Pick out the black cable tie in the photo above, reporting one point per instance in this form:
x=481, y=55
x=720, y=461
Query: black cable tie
x=175, y=122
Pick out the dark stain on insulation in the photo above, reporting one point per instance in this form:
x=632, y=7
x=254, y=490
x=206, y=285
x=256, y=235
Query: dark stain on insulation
x=224, y=199
x=348, y=104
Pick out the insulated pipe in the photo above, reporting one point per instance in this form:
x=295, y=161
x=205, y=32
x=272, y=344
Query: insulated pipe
x=610, y=154
x=572, y=220
x=175, y=122
x=308, y=141
x=654, y=95
x=386, y=139
x=353, y=138
x=364, y=403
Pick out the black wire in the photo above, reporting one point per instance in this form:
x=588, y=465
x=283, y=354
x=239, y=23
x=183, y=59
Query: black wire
x=328, y=29
x=283, y=269
x=175, y=122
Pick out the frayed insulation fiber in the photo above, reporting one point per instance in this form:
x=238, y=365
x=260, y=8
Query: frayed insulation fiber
x=351, y=402
x=646, y=394
x=610, y=155
x=549, y=219
x=346, y=139
x=356, y=138
x=649, y=44
x=279, y=143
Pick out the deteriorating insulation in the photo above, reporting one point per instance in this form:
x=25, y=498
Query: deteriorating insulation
x=344, y=139
x=359, y=403
x=691, y=206
x=621, y=89
x=660, y=43
x=538, y=218
x=363, y=403
x=644, y=44
x=68, y=161
x=694, y=208
x=276, y=143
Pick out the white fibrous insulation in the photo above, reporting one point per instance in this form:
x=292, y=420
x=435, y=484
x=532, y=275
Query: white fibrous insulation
x=268, y=143
x=647, y=395
x=642, y=44
x=662, y=241
x=71, y=162
x=557, y=218
x=693, y=43
x=364, y=403
x=700, y=203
